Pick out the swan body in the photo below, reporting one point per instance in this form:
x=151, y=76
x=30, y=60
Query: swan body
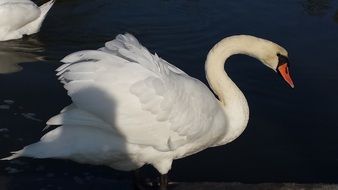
x=131, y=107
x=21, y=17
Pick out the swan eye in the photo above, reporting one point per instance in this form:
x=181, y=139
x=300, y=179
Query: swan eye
x=282, y=59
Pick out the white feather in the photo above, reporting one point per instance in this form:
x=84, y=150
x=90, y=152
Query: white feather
x=21, y=17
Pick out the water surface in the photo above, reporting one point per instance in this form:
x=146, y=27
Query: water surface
x=291, y=136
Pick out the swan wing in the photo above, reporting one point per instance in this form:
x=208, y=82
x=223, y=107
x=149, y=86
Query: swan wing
x=16, y=14
x=142, y=97
x=128, y=47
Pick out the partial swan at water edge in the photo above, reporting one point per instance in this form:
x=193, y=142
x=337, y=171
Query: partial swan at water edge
x=21, y=17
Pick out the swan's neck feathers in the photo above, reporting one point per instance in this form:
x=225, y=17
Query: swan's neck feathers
x=231, y=98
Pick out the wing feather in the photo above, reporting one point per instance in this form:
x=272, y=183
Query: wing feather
x=144, y=98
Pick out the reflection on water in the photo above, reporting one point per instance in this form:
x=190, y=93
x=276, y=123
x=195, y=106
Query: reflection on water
x=316, y=7
x=335, y=16
x=14, y=52
x=7, y=64
x=9, y=61
x=320, y=8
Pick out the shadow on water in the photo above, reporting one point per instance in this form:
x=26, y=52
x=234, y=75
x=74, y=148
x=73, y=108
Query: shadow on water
x=14, y=52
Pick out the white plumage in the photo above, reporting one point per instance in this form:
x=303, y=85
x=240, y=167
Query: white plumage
x=131, y=107
x=21, y=17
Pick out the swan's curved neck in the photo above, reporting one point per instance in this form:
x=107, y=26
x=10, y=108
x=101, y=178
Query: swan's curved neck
x=231, y=98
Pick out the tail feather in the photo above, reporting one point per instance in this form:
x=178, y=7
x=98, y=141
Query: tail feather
x=52, y=145
x=83, y=144
x=37, y=150
x=15, y=154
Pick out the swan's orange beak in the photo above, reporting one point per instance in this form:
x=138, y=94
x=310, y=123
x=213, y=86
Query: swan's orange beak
x=283, y=70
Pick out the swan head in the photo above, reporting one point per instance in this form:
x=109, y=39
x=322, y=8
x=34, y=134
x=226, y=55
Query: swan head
x=275, y=57
x=269, y=53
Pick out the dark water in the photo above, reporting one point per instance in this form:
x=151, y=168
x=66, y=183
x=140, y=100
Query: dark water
x=291, y=136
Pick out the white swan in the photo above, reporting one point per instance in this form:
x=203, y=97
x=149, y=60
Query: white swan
x=21, y=17
x=131, y=107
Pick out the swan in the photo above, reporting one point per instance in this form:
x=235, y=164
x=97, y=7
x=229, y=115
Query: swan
x=132, y=108
x=21, y=17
